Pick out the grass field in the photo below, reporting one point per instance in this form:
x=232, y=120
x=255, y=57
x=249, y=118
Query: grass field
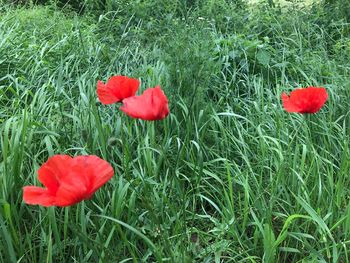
x=287, y=2
x=228, y=176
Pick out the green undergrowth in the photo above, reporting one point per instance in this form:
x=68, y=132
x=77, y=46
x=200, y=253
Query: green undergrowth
x=229, y=176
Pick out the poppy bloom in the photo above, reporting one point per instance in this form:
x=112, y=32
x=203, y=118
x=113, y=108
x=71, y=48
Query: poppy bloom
x=151, y=105
x=116, y=89
x=68, y=180
x=305, y=100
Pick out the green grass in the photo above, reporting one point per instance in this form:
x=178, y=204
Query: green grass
x=229, y=176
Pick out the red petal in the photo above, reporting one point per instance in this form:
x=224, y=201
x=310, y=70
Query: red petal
x=308, y=100
x=50, y=173
x=318, y=97
x=33, y=195
x=88, y=174
x=151, y=105
x=73, y=188
x=123, y=87
x=68, y=180
x=288, y=104
x=105, y=94
x=102, y=172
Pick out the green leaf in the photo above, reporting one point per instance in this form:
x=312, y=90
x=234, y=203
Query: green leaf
x=263, y=57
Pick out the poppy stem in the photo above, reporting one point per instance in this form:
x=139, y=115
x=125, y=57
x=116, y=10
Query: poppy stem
x=309, y=129
x=53, y=224
x=151, y=130
x=126, y=150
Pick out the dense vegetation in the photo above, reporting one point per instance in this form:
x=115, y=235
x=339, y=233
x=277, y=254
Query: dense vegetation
x=229, y=176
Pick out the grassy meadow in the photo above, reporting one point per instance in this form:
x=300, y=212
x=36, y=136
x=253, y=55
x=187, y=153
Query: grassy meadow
x=228, y=176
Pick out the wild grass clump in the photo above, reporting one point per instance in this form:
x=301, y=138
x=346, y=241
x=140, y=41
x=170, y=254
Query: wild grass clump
x=228, y=176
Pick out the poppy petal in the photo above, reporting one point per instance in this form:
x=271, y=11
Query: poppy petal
x=116, y=89
x=319, y=97
x=72, y=190
x=33, y=195
x=105, y=94
x=123, y=87
x=288, y=104
x=151, y=105
x=102, y=172
x=68, y=180
x=305, y=100
x=50, y=173
x=135, y=108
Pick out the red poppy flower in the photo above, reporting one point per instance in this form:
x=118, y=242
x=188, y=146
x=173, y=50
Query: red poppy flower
x=116, y=89
x=68, y=180
x=151, y=105
x=305, y=100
